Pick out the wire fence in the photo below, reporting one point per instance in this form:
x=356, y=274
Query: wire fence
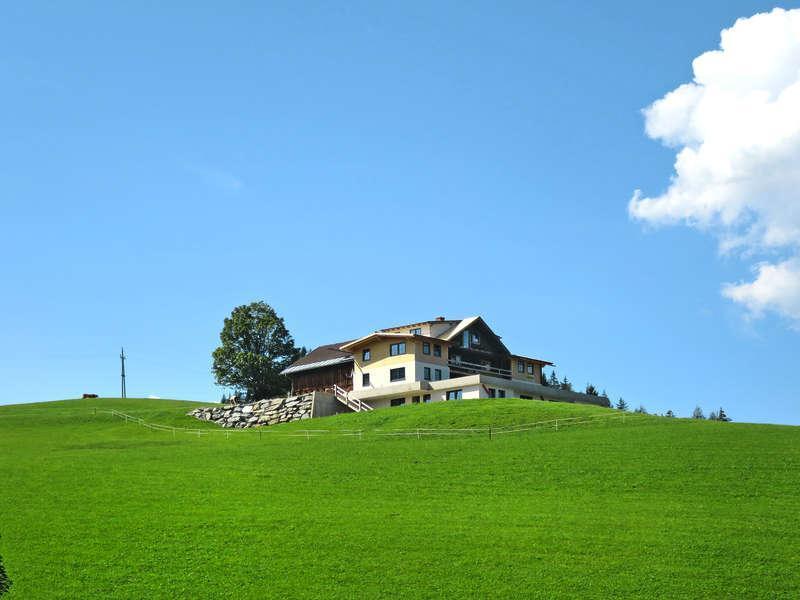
x=559, y=424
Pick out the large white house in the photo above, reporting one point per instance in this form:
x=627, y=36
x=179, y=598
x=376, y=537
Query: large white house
x=429, y=361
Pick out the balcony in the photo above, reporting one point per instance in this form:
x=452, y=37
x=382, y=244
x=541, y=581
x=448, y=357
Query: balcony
x=468, y=367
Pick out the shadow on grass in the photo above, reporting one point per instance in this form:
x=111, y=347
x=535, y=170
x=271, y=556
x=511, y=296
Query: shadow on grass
x=5, y=581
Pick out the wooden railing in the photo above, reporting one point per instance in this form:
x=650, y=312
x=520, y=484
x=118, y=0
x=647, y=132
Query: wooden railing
x=343, y=396
x=476, y=368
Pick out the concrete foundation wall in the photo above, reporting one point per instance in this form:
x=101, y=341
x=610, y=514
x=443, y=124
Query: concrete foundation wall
x=324, y=404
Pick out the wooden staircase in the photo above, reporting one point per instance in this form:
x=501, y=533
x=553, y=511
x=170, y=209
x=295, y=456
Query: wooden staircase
x=343, y=396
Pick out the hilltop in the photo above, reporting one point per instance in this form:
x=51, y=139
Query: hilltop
x=97, y=507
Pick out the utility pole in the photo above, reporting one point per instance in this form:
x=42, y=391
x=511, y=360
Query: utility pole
x=122, y=360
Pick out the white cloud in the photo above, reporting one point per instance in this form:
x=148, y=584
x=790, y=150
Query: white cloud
x=736, y=128
x=777, y=287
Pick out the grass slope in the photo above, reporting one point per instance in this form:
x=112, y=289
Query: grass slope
x=92, y=507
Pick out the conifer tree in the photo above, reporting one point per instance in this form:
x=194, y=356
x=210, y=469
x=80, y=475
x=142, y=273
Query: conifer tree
x=545, y=382
x=641, y=410
x=670, y=414
x=621, y=404
x=566, y=385
x=591, y=390
x=554, y=379
x=721, y=416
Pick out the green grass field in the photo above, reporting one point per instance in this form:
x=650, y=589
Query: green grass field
x=93, y=507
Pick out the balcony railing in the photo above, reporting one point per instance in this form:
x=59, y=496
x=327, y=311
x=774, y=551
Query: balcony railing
x=476, y=368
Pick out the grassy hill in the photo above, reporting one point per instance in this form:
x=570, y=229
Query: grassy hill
x=94, y=507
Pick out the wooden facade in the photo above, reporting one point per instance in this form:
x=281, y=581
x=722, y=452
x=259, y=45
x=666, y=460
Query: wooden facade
x=323, y=378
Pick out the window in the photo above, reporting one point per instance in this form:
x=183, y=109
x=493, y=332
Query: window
x=530, y=368
x=454, y=394
x=492, y=393
x=426, y=373
x=426, y=347
x=366, y=355
x=520, y=366
x=426, y=398
x=415, y=331
x=524, y=397
x=476, y=339
x=437, y=350
x=437, y=374
x=397, y=401
x=397, y=374
x=501, y=393
x=414, y=399
x=398, y=348
x=465, y=339
x=365, y=379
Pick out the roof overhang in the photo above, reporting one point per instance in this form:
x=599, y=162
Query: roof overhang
x=380, y=335
x=317, y=365
x=534, y=360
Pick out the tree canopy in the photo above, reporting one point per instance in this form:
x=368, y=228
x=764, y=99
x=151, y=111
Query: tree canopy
x=255, y=346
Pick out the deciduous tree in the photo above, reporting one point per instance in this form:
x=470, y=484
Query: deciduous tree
x=255, y=347
x=697, y=413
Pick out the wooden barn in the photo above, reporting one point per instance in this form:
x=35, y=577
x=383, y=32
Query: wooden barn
x=321, y=369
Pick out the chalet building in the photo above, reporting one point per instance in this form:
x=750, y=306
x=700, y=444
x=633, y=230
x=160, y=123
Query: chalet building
x=430, y=361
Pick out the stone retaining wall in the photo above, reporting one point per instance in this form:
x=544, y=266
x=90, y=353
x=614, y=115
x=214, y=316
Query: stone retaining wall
x=263, y=412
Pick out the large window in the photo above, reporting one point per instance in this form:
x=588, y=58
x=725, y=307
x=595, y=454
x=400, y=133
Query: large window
x=437, y=350
x=397, y=401
x=437, y=374
x=426, y=373
x=492, y=393
x=426, y=398
x=426, y=347
x=397, y=374
x=365, y=379
x=501, y=393
x=454, y=394
x=398, y=348
x=530, y=368
x=520, y=366
x=415, y=331
x=366, y=355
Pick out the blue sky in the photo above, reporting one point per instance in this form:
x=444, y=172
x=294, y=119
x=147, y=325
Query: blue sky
x=356, y=167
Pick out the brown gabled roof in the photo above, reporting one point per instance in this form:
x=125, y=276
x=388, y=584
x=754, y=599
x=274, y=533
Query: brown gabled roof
x=321, y=356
